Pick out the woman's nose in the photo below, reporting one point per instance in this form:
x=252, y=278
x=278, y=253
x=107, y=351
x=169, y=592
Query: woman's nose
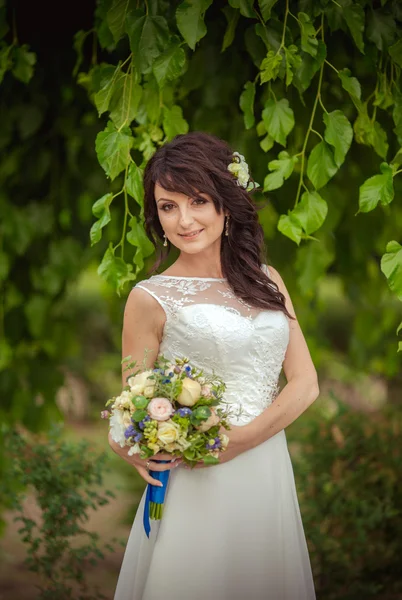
x=186, y=219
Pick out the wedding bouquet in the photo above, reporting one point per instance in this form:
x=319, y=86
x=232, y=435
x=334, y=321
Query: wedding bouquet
x=174, y=408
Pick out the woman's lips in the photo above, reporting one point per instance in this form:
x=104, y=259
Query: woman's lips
x=192, y=236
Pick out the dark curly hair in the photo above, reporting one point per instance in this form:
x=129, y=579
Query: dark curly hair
x=197, y=162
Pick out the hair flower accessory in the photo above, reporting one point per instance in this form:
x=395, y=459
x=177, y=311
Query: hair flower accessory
x=239, y=168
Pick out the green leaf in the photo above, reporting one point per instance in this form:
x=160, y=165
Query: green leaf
x=282, y=169
x=173, y=122
x=309, y=42
x=169, y=65
x=267, y=143
x=190, y=20
x=379, y=188
x=290, y=226
x=391, y=266
x=321, y=165
x=397, y=115
x=354, y=17
x=116, y=17
x=113, y=149
x=352, y=86
x=293, y=61
x=148, y=37
x=37, y=312
x=338, y=133
x=137, y=237
x=278, y=119
x=309, y=67
x=247, y=104
x=210, y=460
x=108, y=80
x=114, y=270
x=311, y=211
x=79, y=39
x=270, y=66
x=245, y=7
x=312, y=262
x=24, y=61
x=125, y=100
x=102, y=212
x=134, y=184
x=369, y=133
x=265, y=7
x=232, y=17
x=5, y=61
x=395, y=52
x=381, y=28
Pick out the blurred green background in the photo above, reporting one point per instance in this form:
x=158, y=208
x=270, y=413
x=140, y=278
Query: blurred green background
x=60, y=336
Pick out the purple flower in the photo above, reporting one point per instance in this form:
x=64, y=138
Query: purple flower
x=130, y=431
x=213, y=445
x=184, y=412
x=138, y=437
x=141, y=424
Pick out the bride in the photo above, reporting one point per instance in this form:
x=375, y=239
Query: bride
x=233, y=530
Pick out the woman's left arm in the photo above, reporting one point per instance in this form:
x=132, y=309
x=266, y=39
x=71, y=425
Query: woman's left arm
x=302, y=385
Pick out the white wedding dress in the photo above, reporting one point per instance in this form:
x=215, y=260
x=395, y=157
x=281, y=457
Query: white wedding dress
x=231, y=531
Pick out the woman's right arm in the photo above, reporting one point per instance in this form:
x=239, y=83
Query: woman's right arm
x=143, y=324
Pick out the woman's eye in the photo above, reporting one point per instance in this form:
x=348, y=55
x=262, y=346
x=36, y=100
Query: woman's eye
x=165, y=206
x=200, y=200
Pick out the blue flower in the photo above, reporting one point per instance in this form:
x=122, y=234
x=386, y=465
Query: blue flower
x=171, y=374
x=184, y=412
x=138, y=437
x=130, y=431
x=166, y=380
x=187, y=368
x=141, y=424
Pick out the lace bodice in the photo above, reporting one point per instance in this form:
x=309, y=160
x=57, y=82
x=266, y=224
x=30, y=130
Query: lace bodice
x=217, y=331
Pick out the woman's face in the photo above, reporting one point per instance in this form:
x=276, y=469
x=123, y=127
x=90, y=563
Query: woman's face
x=180, y=215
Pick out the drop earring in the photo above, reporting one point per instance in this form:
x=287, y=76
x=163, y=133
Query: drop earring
x=227, y=226
x=165, y=242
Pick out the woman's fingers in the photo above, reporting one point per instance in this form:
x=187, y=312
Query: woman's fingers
x=145, y=475
x=157, y=466
x=161, y=456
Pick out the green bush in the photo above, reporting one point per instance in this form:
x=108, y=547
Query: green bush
x=67, y=483
x=348, y=478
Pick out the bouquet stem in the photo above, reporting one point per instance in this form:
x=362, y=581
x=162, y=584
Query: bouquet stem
x=155, y=498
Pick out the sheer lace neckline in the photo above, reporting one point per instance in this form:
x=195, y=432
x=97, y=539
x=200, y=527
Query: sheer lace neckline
x=190, y=278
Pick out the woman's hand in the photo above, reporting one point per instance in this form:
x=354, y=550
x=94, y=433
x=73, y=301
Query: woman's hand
x=238, y=443
x=140, y=464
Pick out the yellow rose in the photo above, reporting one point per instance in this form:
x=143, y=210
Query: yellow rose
x=149, y=390
x=224, y=440
x=168, y=432
x=154, y=447
x=190, y=392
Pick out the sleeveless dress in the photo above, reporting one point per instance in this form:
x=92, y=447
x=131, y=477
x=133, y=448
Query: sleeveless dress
x=231, y=531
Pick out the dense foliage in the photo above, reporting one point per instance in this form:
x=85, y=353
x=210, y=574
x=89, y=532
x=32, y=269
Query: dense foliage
x=347, y=471
x=67, y=483
x=312, y=77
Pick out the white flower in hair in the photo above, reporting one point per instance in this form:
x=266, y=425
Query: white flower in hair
x=239, y=168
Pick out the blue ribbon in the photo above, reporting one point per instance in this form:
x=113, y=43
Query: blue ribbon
x=155, y=494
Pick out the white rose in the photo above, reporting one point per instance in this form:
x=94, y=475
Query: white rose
x=190, y=392
x=117, y=427
x=138, y=382
x=168, y=432
x=127, y=419
x=124, y=400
